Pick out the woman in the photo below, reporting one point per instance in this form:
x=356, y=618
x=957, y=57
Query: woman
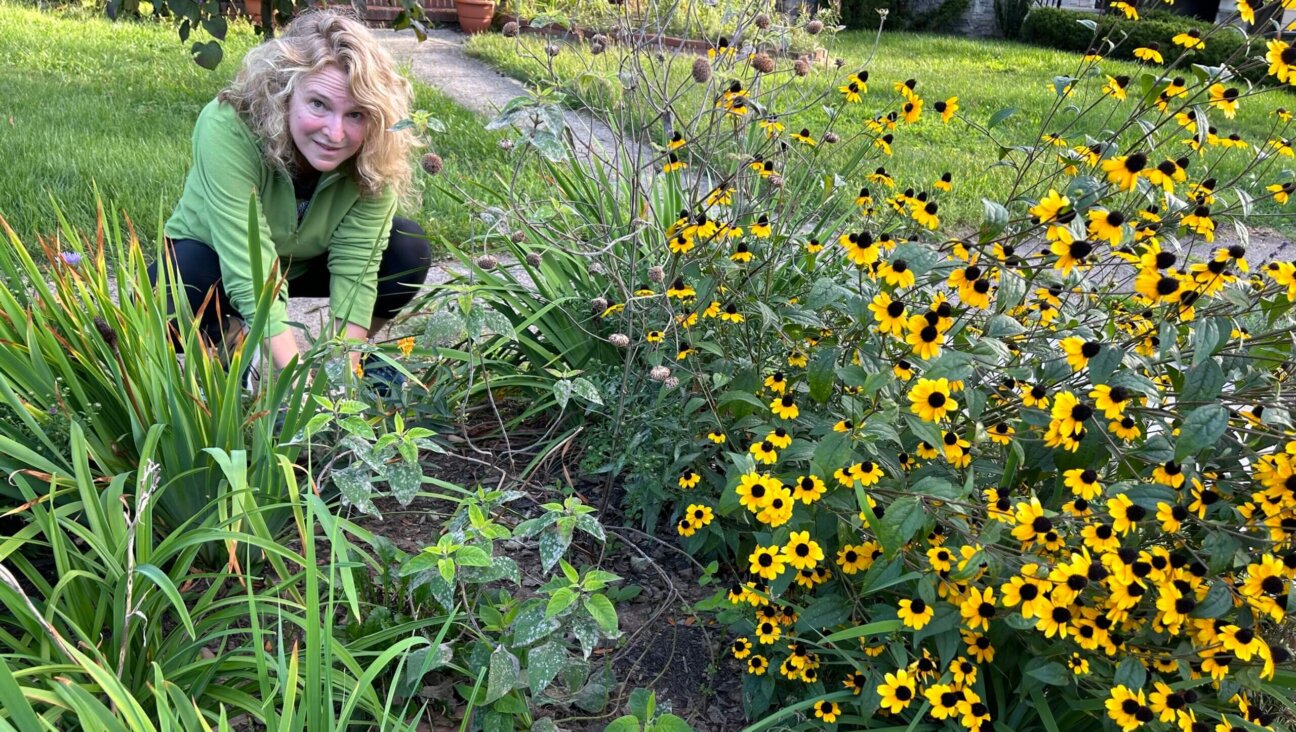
x=306, y=127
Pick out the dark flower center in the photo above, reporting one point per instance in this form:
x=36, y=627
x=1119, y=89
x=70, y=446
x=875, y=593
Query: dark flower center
x=1164, y=259
x=899, y=266
x=1136, y=162
x=895, y=309
x=1061, y=615
x=1115, y=218
x=936, y=400
x=904, y=693
x=918, y=607
x=1081, y=412
x=1041, y=525
x=1288, y=56
x=802, y=550
x=928, y=334
x=1080, y=249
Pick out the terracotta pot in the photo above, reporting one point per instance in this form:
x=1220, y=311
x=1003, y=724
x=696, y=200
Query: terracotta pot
x=475, y=15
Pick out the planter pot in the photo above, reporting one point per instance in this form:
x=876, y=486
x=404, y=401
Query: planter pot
x=475, y=15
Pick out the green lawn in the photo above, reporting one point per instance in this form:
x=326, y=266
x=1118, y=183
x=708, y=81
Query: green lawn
x=985, y=75
x=88, y=103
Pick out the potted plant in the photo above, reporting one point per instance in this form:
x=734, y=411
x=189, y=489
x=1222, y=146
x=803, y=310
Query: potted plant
x=475, y=15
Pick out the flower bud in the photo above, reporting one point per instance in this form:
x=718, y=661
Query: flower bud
x=671, y=383
x=505, y=144
x=620, y=340
x=801, y=67
x=659, y=373
x=815, y=27
x=597, y=48
x=763, y=63
x=534, y=259
x=518, y=237
x=762, y=21
x=830, y=137
x=551, y=50
x=488, y=261
x=510, y=29
x=432, y=163
x=656, y=274
x=775, y=181
x=598, y=305
x=701, y=70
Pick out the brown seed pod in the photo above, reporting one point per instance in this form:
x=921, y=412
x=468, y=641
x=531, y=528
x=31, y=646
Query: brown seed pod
x=762, y=21
x=763, y=63
x=814, y=27
x=701, y=70
x=801, y=67
x=510, y=29
x=432, y=163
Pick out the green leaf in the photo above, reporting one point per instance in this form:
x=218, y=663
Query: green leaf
x=552, y=544
x=600, y=608
x=356, y=488
x=1130, y=673
x=471, y=556
x=586, y=390
x=1203, y=427
x=562, y=391
x=502, y=676
x=904, y=518
x=670, y=723
x=1051, y=673
x=359, y=427
x=628, y=723
x=1208, y=335
x=821, y=372
x=207, y=55
x=1203, y=382
x=824, y=613
x=543, y=664
x=1218, y=601
x=1002, y=325
x=531, y=625
x=404, y=477
x=643, y=704
x=1104, y=364
x=999, y=117
x=560, y=601
x=446, y=567
x=937, y=488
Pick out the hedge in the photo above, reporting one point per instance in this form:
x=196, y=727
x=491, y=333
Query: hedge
x=862, y=15
x=1059, y=29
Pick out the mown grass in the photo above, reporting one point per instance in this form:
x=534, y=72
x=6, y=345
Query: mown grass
x=985, y=75
x=89, y=104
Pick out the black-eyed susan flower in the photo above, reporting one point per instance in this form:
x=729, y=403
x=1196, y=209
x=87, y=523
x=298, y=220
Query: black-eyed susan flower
x=1083, y=482
x=1078, y=665
x=930, y=399
x=1071, y=254
x=1000, y=433
x=1128, y=709
x=944, y=700
x=808, y=489
x=700, y=514
x=673, y=163
x=757, y=665
x=915, y=613
x=766, y=561
x=741, y=648
x=654, y=336
x=689, y=479
x=801, y=551
x=1225, y=99
x=718, y=438
x=1115, y=87
x=828, y=711
x=1200, y=222
x=924, y=338
x=779, y=437
x=804, y=137
x=925, y=214
x=978, y=608
x=1124, y=171
x=1282, y=61
x=768, y=632
x=1189, y=39
x=729, y=313
x=912, y=110
x=785, y=407
x=1150, y=53
x=1125, y=514
x=897, y=691
x=797, y=358
x=896, y=272
x=852, y=90
x=1130, y=11
x=1078, y=351
x=1282, y=191
x=1106, y=225
x=867, y=473
x=764, y=452
x=1125, y=428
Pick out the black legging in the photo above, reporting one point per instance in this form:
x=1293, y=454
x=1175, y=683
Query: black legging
x=401, y=272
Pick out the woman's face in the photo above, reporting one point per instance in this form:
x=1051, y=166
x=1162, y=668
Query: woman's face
x=326, y=125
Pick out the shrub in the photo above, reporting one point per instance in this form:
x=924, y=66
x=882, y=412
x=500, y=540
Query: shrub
x=1061, y=29
x=895, y=428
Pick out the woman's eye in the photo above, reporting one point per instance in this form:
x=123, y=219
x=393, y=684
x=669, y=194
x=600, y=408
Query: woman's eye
x=356, y=115
x=316, y=104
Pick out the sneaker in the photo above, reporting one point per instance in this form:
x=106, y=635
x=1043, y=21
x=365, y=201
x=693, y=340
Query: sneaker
x=252, y=376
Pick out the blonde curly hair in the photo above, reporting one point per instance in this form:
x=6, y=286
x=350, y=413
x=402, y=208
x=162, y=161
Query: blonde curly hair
x=319, y=38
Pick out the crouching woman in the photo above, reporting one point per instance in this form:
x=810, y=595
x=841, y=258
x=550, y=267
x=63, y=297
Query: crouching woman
x=307, y=127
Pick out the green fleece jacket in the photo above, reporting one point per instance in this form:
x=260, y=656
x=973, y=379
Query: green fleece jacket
x=227, y=169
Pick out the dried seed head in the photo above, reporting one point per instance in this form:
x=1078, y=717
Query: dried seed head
x=488, y=261
x=671, y=383
x=510, y=29
x=656, y=274
x=551, y=50
x=519, y=236
x=659, y=373
x=830, y=137
x=534, y=259
x=597, y=269
x=814, y=27
x=839, y=63
x=620, y=340
x=506, y=144
x=106, y=332
x=701, y=70
x=598, y=305
x=762, y=21
x=432, y=163
x=597, y=48
x=775, y=181
x=599, y=38
x=763, y=63
x=801, y=67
